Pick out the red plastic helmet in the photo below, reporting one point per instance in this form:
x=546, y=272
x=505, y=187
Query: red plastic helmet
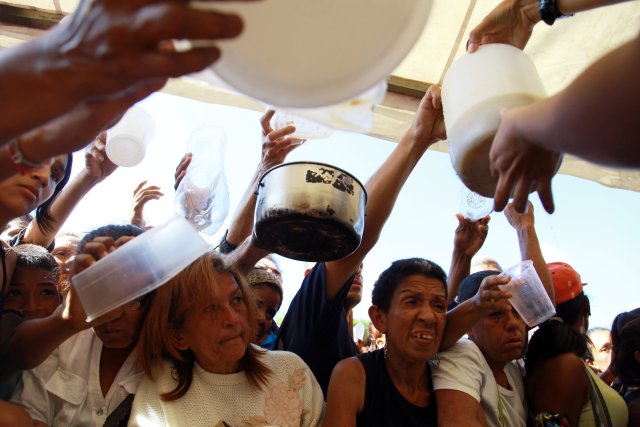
x=566, y=281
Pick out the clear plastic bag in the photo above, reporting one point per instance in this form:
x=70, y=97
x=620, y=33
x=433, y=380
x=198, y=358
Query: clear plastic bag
x=202, y=196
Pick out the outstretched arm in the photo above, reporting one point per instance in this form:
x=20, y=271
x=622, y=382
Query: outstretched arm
x=113, y=46
x=529, y=244
x=97, y=168
x=512, y=21
x=276, y=145
x=469, y=238
x=33, y=340
x=384, y=186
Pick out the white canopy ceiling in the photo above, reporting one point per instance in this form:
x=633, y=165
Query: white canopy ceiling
x=560, y=53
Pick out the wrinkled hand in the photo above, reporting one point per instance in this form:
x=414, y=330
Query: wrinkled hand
x=490, y=298
x=519, y=220
x=96, y=162
x=276, y=144
x=511, y=22
x=428, y=124
x=114, y=44
x=519, y=165
x=141, y=195
x=181, y=170
x=470, y=235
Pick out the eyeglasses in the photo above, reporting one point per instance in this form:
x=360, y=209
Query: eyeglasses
x=134, y=305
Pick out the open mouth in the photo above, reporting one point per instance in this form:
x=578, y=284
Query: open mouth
x=424, y=336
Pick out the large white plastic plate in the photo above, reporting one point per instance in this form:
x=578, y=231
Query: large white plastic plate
x=313, y=53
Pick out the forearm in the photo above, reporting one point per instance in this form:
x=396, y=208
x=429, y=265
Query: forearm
x=241, y=224
x=530, y=249
x=246, y=255
x=383, y=189
x=460, y=268
x=596, y=116
x=33, y=341
x=61, y=208
x=574, y=6
x=459, y=321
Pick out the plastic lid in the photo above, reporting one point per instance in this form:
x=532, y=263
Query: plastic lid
x=138, y=267
x=312, y=54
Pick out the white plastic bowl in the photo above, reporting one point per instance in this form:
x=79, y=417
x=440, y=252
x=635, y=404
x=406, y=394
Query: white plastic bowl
x=138, y=267
x=305, y=54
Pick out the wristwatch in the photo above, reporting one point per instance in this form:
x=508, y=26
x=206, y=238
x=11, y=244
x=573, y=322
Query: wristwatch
x=549, y=11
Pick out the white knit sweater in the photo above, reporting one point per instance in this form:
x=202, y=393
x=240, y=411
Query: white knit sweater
x=291, y=398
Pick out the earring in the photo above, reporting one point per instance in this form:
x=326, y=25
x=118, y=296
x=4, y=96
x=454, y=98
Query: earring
x=386, y=347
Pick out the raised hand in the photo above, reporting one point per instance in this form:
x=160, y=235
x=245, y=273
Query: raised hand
x=428, y=124
x=510, y=22
x=141, y=195
x=96, y=162
x=181, y=169
x=517, y=219
x=276, y=144
x=490, y=298
x=470, y=235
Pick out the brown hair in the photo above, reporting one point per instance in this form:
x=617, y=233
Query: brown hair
x=168, y=311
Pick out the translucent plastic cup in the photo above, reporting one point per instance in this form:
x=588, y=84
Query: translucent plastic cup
x=138, y=267
x=529, y=298
x=474, y=206
x=127, y=141
x=305, y=129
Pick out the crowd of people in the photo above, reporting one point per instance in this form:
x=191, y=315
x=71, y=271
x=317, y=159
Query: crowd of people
x=205, y=348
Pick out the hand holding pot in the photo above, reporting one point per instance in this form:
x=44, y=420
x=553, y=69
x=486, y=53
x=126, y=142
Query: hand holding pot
x=428, y=124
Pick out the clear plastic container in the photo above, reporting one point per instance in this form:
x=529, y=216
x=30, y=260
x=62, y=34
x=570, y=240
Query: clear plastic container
x=530, y=299
x=203, y=197
x=138, y=267
x=127, y=140
x=474, y=206
x=305, y=129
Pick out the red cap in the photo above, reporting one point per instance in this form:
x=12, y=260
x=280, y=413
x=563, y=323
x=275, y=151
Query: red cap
x=566, y=281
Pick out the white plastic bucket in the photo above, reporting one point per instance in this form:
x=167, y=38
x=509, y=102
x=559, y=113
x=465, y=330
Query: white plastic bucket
x=474, y=90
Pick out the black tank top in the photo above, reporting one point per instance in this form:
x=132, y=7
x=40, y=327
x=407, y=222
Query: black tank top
x=384, y=406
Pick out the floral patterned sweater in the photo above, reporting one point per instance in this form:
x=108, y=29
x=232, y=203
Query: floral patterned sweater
x=291, y=398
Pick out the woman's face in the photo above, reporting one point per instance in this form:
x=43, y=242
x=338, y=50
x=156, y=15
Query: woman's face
x=218, y=332
x=416, y=318
x=21, y=194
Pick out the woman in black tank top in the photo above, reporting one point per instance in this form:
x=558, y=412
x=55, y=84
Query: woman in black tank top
x=392, y=386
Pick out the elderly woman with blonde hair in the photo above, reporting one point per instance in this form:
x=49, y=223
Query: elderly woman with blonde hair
x=200, y=366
